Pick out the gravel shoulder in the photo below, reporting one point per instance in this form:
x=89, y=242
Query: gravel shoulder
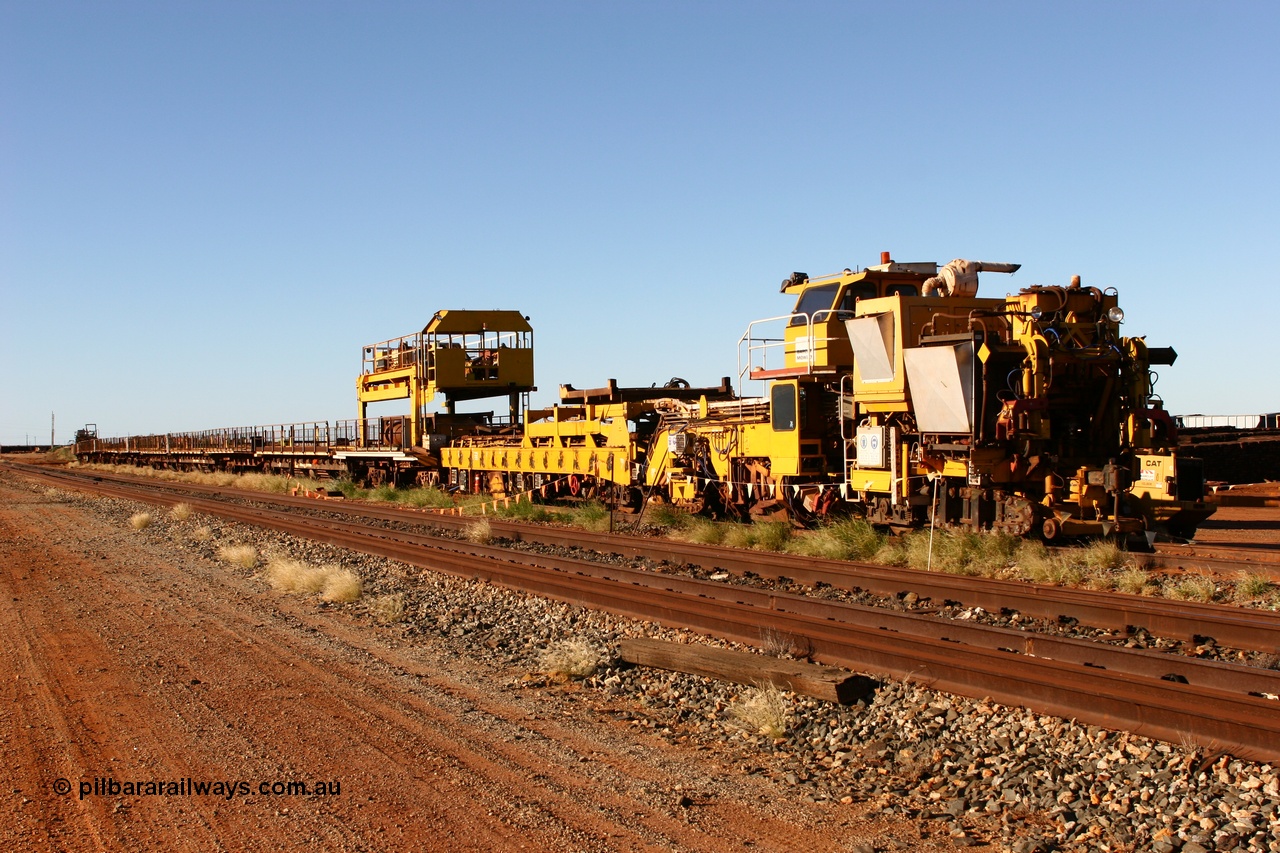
x=145, y=655
x=130, y=660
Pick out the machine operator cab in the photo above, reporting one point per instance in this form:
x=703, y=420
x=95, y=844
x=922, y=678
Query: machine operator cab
x=476, y=354
x=807, y=356
x=459, y=355
x=804, y=354
x=812, y=338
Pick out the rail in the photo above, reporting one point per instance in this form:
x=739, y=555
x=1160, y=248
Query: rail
x=1155, y=695
x=301, y=437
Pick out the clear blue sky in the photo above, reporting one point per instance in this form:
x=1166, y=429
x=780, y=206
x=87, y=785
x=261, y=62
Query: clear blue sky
x=207, y=208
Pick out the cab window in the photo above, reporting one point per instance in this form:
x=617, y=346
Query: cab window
x=902, y=290
x=782, y=407
x=812, y=300
x=854, y=292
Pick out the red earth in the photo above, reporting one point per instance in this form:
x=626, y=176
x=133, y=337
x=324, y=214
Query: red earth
x=155, y=700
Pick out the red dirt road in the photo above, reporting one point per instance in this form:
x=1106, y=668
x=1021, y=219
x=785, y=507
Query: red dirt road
x=128, y=664
x=1241, y=527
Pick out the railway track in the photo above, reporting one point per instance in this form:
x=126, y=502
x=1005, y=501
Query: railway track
x=1234, y=627
x=1223, y=560
x=1154, y=694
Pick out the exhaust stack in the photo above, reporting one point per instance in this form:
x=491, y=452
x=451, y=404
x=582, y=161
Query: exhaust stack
x=960, y=277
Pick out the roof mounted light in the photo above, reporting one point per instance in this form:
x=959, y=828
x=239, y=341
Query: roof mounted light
x=1115, y=314
x=794, y=279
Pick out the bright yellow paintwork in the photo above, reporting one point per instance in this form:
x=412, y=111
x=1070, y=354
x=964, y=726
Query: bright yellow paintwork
x=459, y=355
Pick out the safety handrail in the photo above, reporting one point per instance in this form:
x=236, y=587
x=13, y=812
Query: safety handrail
x=764, y=345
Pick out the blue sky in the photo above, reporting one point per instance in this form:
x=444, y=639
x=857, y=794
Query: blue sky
x=206, y=209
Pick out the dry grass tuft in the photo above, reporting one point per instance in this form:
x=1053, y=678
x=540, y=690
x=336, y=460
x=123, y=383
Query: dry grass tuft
x=1104, y=554
x=772, y=536
x=893, y=552
x=258, y=482
x=387, y=609
x=701, y=531
x=780, y=644
x=140, y=520
x=341, y=586
x=569, y=659
x=1034, y=562
x=180, y=512
x=763, y=710
x=1192, y=588
x=1101, y=581
x=1100, y=565
x=1135, y=581
x=737, y=536
x=479, y=532
x=670, y=517
x=426, y=497
x=240, y=556
x=52, y=494
x=845, y=539
x=334, y=583
x=592, y=515
x=974, y=554
x=817, y=543
x=61, y=455
x=526, y=510
x=202, y=534
x=1251, y=587
x=385, y=494
x=288, y=575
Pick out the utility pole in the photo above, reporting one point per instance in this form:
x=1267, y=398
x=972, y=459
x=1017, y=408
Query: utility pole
x=51, y=422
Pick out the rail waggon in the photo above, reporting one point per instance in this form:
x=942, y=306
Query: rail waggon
x=893, y=391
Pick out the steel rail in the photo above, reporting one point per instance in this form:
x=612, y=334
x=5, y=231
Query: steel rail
x=1221, y=560
x=1246, y=725
x=1234, y=627
x=1147, y=663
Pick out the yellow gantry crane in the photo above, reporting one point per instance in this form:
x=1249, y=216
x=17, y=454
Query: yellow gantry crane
x=459, y=355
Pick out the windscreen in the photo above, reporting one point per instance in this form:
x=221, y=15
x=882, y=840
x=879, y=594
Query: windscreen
x=814, y=299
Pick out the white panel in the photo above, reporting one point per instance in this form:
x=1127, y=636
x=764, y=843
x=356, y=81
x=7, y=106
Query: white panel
x=940, y=379
x=871, y=447
x=872, y=342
